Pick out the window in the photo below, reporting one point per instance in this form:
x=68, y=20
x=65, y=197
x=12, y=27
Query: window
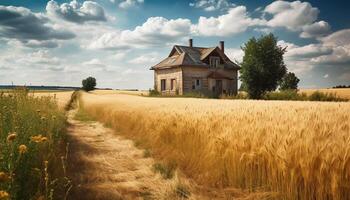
x=163, y=84
x=173, y=84
x=196, y=84
x=214, y=61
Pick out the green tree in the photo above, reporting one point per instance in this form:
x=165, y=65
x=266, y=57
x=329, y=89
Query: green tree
x=262, y=66
x=289, y=82
x=89, y=84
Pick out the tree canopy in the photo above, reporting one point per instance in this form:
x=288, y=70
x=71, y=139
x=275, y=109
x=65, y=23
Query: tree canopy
x=89, y=84
x=289, y=82
x=263, y=66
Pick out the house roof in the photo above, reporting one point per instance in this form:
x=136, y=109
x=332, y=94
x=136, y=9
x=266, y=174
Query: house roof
x=192, y=56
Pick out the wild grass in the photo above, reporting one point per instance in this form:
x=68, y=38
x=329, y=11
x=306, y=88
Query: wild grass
x=32, y=164
x=296, y=149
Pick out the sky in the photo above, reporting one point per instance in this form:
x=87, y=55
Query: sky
x=61, y=42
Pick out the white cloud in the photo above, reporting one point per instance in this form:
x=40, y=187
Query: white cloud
x=340, y=43
x=150, y=58
x=235, y=21
x=316, y=29
x=75, y=12
x=156, y=31
x=235, y=54
x=125, y=4
x=326, y=76
x=212, y=5
x=292, y=15
x=297, y=16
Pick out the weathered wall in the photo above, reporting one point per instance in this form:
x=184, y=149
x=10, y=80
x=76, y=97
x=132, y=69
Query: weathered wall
x=190, y=73
x=168, y=74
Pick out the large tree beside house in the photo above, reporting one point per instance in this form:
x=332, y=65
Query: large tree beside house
x=263, y=66
x=196, y=69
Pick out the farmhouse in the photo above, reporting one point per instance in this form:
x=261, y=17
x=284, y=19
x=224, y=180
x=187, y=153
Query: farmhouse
x=191, y=69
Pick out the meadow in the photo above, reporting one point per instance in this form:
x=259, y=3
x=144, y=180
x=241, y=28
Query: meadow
x=32, y=146
x=290, y=149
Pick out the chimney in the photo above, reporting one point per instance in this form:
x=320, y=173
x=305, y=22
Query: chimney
x=222, y=46
x=190, y=42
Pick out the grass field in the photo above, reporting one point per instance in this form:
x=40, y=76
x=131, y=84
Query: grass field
x=296, y=150
x=32, y=136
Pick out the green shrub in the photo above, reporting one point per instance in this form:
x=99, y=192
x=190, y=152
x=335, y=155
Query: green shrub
x=153, y=93
x=319, y=96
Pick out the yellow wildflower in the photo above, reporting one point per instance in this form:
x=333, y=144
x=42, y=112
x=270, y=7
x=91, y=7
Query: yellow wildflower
x=12, y=136
x=22, y=149
x=4, y=195
x=3, y=177
x=38, y=138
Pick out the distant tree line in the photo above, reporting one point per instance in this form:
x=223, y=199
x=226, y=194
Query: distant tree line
x=341, y=86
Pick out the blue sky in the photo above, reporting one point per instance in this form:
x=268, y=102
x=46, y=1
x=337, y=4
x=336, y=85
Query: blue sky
x=61, y=42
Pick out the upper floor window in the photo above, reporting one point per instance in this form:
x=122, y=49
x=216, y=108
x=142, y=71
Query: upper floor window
x=214, y=61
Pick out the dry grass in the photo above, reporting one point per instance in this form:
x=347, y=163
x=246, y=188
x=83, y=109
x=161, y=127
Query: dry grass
x=341, y=92
x=301, y=150
x=115, y=92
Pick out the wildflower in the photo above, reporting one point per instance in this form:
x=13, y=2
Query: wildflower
x=38, y=138
x=22, y=149
x=3, y=177
x=4, y=195
x=53, y=117
x=12, y=136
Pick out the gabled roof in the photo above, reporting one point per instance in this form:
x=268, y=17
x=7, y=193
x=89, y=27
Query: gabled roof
x=192, y=56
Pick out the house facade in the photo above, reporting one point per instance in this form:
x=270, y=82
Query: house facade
x=196, y=69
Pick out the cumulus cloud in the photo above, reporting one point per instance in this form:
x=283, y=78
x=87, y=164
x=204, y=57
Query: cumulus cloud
x=237, y=20
x=340, y=43
x=212, y=5
x=150, y=58
x=125, y=4
x=22, y=24
x=297, y=16
x=317, y=29
x=156, y=31
x=75, y=12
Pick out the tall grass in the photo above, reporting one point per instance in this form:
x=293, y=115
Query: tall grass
x=300, y=150
x=31, y=139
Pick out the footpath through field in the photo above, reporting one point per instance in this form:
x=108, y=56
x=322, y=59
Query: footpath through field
x=105, y=166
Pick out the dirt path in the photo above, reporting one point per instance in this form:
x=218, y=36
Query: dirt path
x=105, y=166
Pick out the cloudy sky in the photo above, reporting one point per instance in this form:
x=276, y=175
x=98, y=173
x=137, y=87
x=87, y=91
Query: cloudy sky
x=61, y=42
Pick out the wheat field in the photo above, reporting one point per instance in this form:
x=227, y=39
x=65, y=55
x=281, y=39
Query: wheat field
x=296, y=150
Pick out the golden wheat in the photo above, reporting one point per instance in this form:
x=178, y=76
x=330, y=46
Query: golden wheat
x=299, y=149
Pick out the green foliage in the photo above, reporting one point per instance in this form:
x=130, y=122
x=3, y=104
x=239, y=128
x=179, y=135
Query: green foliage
x=153, y=93
x=89, y=84
x=319, y=96
x=289, y=82
x=262, y=66
x=286, y=95
x=31, y=135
